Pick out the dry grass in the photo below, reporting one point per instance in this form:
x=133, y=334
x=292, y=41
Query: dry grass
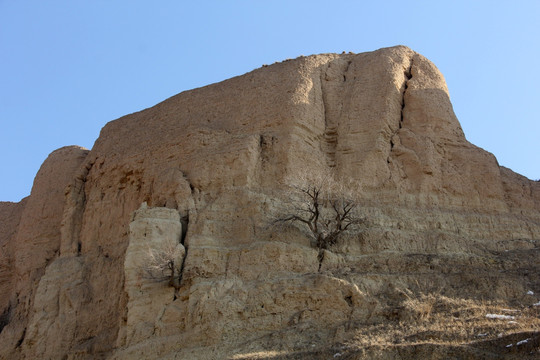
x=434, y=318
x=431, y=326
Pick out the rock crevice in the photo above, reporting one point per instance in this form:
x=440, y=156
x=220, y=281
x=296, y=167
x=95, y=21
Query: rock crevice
x=333, y=89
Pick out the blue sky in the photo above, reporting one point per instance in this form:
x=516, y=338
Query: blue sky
x=69, y=67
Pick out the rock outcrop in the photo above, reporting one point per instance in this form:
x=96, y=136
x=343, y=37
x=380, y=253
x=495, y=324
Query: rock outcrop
x=212, y=166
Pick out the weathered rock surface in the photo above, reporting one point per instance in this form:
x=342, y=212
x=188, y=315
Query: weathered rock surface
x=154, y=240
x=10, y=216
x=442, y=215
x=35, y=242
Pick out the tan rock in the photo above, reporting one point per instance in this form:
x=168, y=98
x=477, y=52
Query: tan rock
x=154, y=240
x=10, y=216
x=213, y=166
x=60, y=298
x=37, y=240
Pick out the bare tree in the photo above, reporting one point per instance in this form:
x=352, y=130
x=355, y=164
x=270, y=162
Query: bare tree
x=326, y=207
x=164, y=263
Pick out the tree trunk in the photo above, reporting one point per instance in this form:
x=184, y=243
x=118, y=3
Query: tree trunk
x=320, y=257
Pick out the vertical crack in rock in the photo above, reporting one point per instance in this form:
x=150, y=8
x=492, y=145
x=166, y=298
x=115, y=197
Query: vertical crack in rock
x=332, y=82
x=5, y=317
x=184, y=220
x=329, y=141
x=21, y=340
x=346, y=70
x=74, y=211
x=408, y=76
x=266, y=146
x=404, y=87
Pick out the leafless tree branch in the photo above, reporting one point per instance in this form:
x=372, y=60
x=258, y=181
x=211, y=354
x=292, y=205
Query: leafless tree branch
x=163, y=263
x=326, y=207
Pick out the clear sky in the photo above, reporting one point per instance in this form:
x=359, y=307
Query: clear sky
x=68, y=67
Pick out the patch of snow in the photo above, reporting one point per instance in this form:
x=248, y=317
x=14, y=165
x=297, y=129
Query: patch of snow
x=537, y=304
x=513, y=322
x=509, y=345
x=500, y=317
x=530, y=292
x=337, y=355
x=523, y=341
x=500, y=335
x=482, y=335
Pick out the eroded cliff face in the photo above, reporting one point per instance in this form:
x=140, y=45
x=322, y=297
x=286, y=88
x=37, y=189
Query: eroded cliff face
x=442, y=215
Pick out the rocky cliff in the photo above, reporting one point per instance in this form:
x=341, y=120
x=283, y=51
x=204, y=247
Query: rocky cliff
x=450, y=236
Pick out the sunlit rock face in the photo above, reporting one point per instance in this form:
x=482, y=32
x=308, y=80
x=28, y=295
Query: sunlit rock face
x=210, y=168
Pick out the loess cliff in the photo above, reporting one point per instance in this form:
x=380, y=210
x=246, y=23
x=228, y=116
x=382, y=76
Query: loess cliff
x=450, y=238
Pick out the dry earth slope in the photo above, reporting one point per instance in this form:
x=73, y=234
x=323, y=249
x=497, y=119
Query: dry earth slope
x=451, y=238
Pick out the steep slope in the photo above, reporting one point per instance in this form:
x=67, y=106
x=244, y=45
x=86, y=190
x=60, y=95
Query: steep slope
x=214, y=164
